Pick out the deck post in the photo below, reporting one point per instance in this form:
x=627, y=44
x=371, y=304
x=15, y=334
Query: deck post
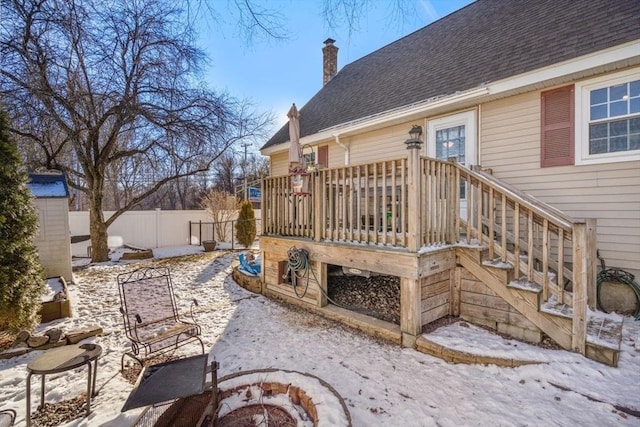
x=583, y=261
x=592, y=263
x=414, y=219
x=317, y=207
x=410, y=310
x=321, y=277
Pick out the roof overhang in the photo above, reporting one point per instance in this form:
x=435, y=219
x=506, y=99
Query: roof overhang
x=615, y=58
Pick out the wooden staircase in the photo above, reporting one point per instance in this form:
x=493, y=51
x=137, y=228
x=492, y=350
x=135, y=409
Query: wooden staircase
x=555, y=319
x=540, y=261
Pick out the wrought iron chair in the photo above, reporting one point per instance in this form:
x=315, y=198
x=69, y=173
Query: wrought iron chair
x=150, y=314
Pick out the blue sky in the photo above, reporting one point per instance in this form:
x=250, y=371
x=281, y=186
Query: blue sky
x=275, y=73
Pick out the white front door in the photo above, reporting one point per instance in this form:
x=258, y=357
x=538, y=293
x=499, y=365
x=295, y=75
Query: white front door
x=454, y=136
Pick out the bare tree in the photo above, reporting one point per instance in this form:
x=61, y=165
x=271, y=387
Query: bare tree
x=223, y=207
x=96, y=85
x=225, y=172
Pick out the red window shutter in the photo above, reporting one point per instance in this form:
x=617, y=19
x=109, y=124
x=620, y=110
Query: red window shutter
x=323, y=156
x=557, y=133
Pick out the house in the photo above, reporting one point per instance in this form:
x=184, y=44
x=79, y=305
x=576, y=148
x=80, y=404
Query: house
x=53, y=239
x=528, y=161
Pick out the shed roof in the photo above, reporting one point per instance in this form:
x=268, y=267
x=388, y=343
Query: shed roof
x=48, y=185
x=486, y=41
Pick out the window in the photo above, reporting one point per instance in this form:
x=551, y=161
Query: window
x=610, y=119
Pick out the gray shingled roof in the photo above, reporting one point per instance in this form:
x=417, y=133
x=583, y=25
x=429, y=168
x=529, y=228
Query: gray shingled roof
x=483, y=42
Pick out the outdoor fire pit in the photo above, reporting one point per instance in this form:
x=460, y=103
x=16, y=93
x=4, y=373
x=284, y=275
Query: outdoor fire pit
x=266, y=397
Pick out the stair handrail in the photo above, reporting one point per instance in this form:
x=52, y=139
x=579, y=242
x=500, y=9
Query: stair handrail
x=536, y=205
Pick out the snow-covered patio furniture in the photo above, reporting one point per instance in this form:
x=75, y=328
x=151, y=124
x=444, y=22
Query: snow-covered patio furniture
x=150, y=314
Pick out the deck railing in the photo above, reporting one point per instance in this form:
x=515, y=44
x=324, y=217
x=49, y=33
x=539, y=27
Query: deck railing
x=363, y=203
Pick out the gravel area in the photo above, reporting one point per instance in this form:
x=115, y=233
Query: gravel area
x=375, y=296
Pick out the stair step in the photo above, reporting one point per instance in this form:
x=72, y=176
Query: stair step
x=501, y=270
x=525, y=285
x=604, y=329
x=555, y=309
x=604, y=334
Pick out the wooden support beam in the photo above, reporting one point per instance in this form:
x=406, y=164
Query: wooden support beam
x=410, y=310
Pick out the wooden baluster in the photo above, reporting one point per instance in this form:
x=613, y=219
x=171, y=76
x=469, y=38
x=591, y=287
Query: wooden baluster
x=351, y=191
x=439, y=211
x=367, y=226
x=331, y=203
x=384, y=203
x=427, y=196
x=469, y=192
x=403, y=201
x=394, y=202
x=452, y=214
x=359, y=204
x=479, y=213
x=375, y=204
x=516, y=238
x=560, y=277
x=491, y=224
x=343, y=197
x=503, y=224
x=530, y=254
x=545, y=260
x=456, y=204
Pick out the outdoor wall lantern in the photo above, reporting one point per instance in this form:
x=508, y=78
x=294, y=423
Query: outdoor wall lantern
x=309, y=159
x=414, y=140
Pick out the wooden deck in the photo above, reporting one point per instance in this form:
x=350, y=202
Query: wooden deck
x=432, y=223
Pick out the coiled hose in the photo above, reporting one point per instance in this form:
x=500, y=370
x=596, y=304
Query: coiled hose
x=620, y=276
x=300, y=267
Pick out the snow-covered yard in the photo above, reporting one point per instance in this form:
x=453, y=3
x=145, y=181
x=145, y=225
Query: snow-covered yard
x=382, y=384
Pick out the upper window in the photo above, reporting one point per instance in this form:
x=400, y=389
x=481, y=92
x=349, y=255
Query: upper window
x=610, y=123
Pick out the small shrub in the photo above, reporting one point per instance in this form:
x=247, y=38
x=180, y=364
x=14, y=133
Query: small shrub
x=246, y=225
x=21, y=275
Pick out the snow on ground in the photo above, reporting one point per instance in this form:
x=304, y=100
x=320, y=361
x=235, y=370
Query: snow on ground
x=381, y=383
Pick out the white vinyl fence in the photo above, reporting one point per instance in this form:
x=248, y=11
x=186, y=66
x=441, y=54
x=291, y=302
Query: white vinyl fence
x=144, y=229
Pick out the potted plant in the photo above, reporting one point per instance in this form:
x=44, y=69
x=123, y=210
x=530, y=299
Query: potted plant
x=209, y=245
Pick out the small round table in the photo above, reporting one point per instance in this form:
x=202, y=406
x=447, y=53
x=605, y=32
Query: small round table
x=63, y=359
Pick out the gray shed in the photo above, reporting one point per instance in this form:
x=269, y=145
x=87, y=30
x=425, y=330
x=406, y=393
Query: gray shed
x=53, y=239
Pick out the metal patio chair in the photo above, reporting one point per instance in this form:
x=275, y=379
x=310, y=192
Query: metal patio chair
x=150, y=314
x=7, y=417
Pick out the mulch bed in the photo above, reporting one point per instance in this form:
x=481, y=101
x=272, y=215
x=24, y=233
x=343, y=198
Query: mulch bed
x=54, y=414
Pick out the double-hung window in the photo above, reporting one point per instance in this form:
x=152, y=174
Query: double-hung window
x=609, y=122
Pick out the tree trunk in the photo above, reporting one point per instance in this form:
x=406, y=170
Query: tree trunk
x=98, y=229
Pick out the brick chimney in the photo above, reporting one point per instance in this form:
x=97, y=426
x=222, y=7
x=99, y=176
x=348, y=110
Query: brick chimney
x=329, y=61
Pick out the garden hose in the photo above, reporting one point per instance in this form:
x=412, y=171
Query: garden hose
x=299, y=262
x=619, y=276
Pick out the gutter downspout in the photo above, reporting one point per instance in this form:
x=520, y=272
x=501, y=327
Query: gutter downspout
x=336, y=137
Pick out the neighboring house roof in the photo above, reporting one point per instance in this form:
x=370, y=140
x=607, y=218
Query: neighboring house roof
x=486, y=41
x=48, y=185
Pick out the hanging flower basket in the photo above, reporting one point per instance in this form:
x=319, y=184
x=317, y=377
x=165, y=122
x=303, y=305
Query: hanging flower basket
x=300, y=183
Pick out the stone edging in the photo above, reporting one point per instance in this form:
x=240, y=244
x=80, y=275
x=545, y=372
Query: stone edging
x=450, y=355
x=54, y=337
x=272, y=370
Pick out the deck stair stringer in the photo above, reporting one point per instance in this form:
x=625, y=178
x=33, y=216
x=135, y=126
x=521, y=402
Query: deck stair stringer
x=554, y=327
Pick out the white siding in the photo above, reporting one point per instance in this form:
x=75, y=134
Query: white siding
x=53, y=240
x=510, y=145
